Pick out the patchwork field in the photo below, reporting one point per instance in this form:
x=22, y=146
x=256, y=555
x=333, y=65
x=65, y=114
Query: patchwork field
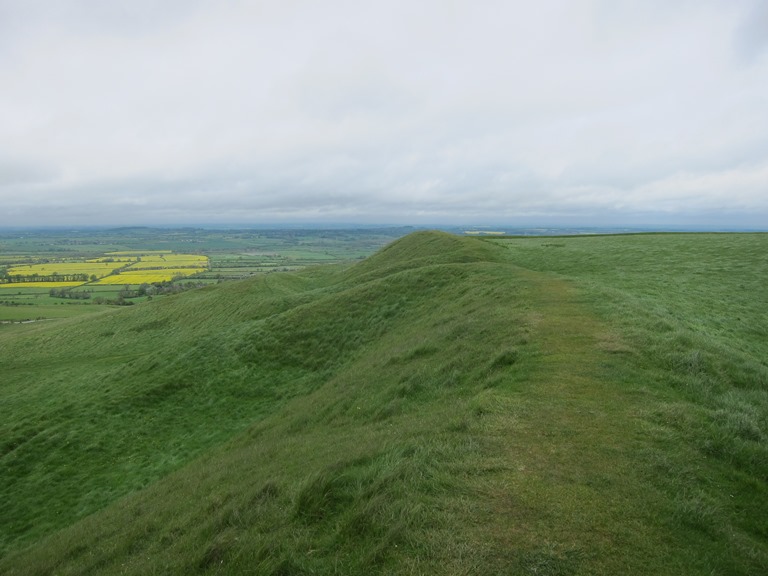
x=130, y=268
x=68, y=268
x=41, y=269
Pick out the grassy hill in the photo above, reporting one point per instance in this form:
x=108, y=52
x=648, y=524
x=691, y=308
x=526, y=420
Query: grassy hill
x=451, y=405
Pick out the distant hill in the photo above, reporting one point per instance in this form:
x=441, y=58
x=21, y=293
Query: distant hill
x=450, y=405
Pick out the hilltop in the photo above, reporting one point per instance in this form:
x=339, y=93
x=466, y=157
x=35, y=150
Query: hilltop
x=450, y=405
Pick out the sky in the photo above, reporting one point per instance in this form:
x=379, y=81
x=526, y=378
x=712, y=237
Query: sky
x=572, y=112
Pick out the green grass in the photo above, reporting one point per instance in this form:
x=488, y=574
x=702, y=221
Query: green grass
x=696, y=306
x=692, y=314
x=448, y=406
x=22, y=313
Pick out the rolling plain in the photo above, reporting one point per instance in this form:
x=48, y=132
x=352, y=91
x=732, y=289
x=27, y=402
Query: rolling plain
x=448, y=405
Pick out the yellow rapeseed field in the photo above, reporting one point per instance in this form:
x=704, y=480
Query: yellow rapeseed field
x=114, y=268
x=49, y=268
x=148, y=276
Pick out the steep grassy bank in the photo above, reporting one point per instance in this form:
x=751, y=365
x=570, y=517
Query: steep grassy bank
x=98, y=409
x=446, y=407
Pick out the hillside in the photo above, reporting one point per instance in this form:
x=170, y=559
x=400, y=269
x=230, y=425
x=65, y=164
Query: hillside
x=448, y=406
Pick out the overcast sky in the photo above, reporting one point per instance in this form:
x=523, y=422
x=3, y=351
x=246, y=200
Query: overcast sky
x=589, y=112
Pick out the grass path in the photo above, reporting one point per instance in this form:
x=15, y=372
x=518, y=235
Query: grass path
x=573, y=496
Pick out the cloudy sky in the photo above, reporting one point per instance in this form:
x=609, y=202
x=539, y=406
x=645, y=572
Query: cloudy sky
x=588, y=112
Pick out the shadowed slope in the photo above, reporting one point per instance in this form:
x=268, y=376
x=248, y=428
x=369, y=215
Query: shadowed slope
x=101, y=406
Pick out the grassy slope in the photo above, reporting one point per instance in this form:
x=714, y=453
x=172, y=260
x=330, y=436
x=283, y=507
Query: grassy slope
x=443, y=407
x=693, y=311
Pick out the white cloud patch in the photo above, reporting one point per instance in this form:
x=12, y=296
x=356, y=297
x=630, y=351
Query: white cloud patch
x=204, y=111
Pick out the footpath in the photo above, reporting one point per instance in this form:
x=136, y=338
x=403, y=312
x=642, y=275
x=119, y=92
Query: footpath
x=571, y=496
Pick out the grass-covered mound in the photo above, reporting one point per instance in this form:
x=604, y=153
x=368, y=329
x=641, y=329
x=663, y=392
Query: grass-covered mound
x=449, y=406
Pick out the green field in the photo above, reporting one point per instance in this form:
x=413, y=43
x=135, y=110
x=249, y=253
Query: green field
x=449, y=405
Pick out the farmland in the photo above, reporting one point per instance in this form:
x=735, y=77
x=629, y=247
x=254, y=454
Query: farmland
x=40, y=270
x=132, y=277
x=135, y=268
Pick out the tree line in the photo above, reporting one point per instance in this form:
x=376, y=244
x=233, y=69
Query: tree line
x=54, y=277
x=71, y=294
x=126, y=293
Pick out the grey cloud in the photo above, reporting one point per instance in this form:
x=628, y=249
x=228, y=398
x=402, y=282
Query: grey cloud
x=204, y=111
x=751, y=35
